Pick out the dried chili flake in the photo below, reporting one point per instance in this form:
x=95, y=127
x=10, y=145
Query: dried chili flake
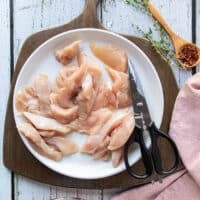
x=188, y=54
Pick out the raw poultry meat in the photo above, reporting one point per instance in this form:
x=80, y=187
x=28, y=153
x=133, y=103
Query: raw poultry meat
x=105, y=98
x=93, y=123
x=66, y=54
x=86, y=97
x=107, y=139
x=92, y=67
x=111, y=55
x=32, y=134
x=121, y=134
x=64, y=115
x=42, y=91
x=117, y=156
x=82, y=100
x=64, y=96
x=120, y=87
x=48, y=124
x=26, y=102
x=65, y=146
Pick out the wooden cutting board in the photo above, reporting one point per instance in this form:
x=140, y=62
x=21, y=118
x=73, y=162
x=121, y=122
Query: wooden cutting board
x=20, y=160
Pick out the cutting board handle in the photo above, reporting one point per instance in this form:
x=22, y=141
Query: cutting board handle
x=89, y=18
x=91, y=6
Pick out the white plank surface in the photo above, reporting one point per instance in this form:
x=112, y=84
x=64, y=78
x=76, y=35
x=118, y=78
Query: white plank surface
x=34, y=15
x=41, y=14
x=5, y=175
x=120, y=17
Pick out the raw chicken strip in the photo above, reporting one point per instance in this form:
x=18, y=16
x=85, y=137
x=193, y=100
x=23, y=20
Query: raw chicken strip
x=120, y=87
x=117, y=156
x=86, y=97
x=26, y=102
x=121, y=134
x=44, y=123
x=113, y=123
x=64, y=74
x=42, y=90
x=66, y=54
x=65, y=95
x=30, y=91
x=64, y=115
x=32, y=134
x=65, y=146
x=105, y=98
x=106, y=156
x=47, y=133
x=111, y=55
x=92, y=67
x=93, y=123
x=91, y=144
x=94, y=142
x=102, y=149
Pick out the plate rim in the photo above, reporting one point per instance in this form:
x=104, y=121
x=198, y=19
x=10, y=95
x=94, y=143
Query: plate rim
x=25, y=141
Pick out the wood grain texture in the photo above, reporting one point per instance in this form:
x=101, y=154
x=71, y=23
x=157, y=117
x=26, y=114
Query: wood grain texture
x=119, y=17
x=17, y=158
x=25, y=187
x=41, y=15
x=5, y=175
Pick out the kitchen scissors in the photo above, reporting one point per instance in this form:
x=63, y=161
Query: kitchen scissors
x=145, y=126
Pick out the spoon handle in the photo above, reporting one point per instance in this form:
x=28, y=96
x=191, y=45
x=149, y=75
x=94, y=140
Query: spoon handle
x=154, y=11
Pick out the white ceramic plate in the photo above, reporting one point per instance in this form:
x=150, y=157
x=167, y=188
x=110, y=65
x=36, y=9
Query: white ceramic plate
x=42, y=60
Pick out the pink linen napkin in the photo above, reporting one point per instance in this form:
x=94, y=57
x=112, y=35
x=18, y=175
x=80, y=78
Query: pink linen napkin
x=185, y=131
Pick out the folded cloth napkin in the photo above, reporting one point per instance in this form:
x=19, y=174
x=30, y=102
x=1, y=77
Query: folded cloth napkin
x=185, y=131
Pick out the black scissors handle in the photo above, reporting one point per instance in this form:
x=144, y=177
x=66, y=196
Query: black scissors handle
x=137, y=137
x=150, y=157
x=155, y=134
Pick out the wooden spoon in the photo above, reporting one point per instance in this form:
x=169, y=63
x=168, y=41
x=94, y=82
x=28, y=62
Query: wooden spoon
x=187, y=53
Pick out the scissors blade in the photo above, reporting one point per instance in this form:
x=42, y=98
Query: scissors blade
x=139, y=102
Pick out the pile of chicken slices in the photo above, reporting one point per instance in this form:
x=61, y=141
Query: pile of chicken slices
x=79, y=101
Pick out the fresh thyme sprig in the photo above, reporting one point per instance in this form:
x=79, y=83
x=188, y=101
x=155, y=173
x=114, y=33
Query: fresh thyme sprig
x=163, y=45
x=142, y=4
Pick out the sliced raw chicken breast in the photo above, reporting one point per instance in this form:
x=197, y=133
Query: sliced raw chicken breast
x=33, y=135
x=65, y=146
x=42, y=91
x=26, y=102
x=66, y=54
x=86, y=97
x=107, y=156
x=64, y=96
x=113, y=123
x=94, y=121
x=111, y=55
x=47, y=133
x=94, y=142
x=91, y=144
x=120, y=87
x=102, y=149
x=64, y=75
x=105, y=98
x=44, y=123
x=121, y=134
x=64, y=115
x=92, y=67
x=42, y=88
x=117, y=156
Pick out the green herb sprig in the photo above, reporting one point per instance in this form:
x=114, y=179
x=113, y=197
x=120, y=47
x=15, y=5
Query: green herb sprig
x=163, y=45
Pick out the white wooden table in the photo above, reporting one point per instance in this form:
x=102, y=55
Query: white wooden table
x=20, y=18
